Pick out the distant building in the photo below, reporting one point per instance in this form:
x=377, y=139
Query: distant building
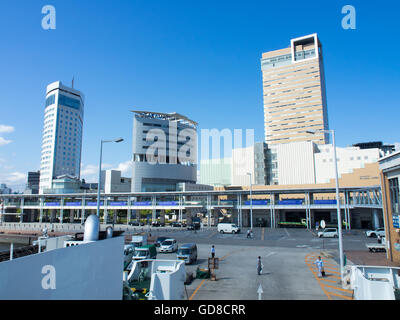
x=65, y=184
x=294, y=92
x=216, y=172
x=164, y=151
x=4, y=189
x=390, y=176
x=111, y=182
x=249, y=160
x=62, y=135
x=290, y=164
x=32, y=186
x=385, y=149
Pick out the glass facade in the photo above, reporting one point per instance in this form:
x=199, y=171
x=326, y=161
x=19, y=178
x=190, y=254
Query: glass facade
x=394, y=195
x=50, y=100
x=69, y=102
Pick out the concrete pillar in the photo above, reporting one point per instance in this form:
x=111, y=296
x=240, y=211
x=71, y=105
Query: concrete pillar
x=21, y=217
x=53, y=213
x=375, y=219
x=61, y=210
x=128, y=211
x=41, y=210
x=71, y=215
x=105, y=210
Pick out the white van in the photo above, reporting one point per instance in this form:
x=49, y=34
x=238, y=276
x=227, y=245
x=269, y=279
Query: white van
x=228, y=228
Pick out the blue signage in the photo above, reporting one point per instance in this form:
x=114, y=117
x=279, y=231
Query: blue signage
x=168, y=203
x=256, y=202
x=94, y=203
x=324, y=201
x=51, y=204
x=73, y=203
x=291, y=201
x=396, y=222
x=142, y=203
x=118, y=203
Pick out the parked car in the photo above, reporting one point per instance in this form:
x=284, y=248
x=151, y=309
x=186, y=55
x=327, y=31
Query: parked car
x=145, y=252
x=328, y=233
x=157, y=224
x=128, y=254
x=176, y=224
x=191, y=227
x=159, y=241
x=228, y=228
x=375, y=233
x=169, y=245
x=134, y=223
x=188, y=253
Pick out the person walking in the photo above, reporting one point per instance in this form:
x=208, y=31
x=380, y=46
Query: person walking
x=320, y=265
x=248, y=233
x=259, y=265
x=212, y=251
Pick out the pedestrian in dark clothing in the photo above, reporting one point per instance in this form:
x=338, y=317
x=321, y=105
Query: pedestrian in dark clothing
x=212, y=251
x=259, y=266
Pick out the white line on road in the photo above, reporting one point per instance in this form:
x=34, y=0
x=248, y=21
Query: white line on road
x=287, y=232
x=269, y=254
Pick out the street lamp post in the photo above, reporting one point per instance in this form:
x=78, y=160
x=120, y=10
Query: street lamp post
x=99, y=182
x=332, y=132
x=251, y=203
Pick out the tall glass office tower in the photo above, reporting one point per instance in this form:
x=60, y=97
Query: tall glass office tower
x=62, y=134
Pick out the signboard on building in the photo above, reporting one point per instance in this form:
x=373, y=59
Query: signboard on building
x=396, y=222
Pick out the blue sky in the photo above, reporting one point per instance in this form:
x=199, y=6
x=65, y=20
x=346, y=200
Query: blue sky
x=198, y=58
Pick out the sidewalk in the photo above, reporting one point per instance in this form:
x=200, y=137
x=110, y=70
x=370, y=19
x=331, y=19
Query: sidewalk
x=365, y=257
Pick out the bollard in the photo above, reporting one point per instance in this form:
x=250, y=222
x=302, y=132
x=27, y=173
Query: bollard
x=11, y=250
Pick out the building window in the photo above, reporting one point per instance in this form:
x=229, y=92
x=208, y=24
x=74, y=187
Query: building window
x=50, y=100
x=394, y=195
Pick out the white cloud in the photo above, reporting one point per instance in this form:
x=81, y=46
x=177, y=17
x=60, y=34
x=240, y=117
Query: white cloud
x=6, y=129
x=3, y=141
x=125, y=168
x=90, y=172
x=13, y=178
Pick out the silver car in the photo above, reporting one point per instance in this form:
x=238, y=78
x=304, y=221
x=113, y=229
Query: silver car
x=328, y=233
x=380, y=232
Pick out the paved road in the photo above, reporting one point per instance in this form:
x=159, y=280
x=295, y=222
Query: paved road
x=287, y=255
x=286, y=274
x=281, y=238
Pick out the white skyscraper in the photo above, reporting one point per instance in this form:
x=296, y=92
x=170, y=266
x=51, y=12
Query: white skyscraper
x=62, y=134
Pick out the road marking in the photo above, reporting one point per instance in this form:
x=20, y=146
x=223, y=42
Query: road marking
x=287, y=232
x=269, y=254
x=212, y=234
x=195, y=291
x=337, y=288
x=322, y=281
x=202, y=282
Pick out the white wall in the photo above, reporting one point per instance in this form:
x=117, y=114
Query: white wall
x=296, y=163
x=242, y=163
x=113, y=182
x=348, y=159
x=91, y=271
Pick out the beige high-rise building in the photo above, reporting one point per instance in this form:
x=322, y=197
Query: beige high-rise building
x=294, y=92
